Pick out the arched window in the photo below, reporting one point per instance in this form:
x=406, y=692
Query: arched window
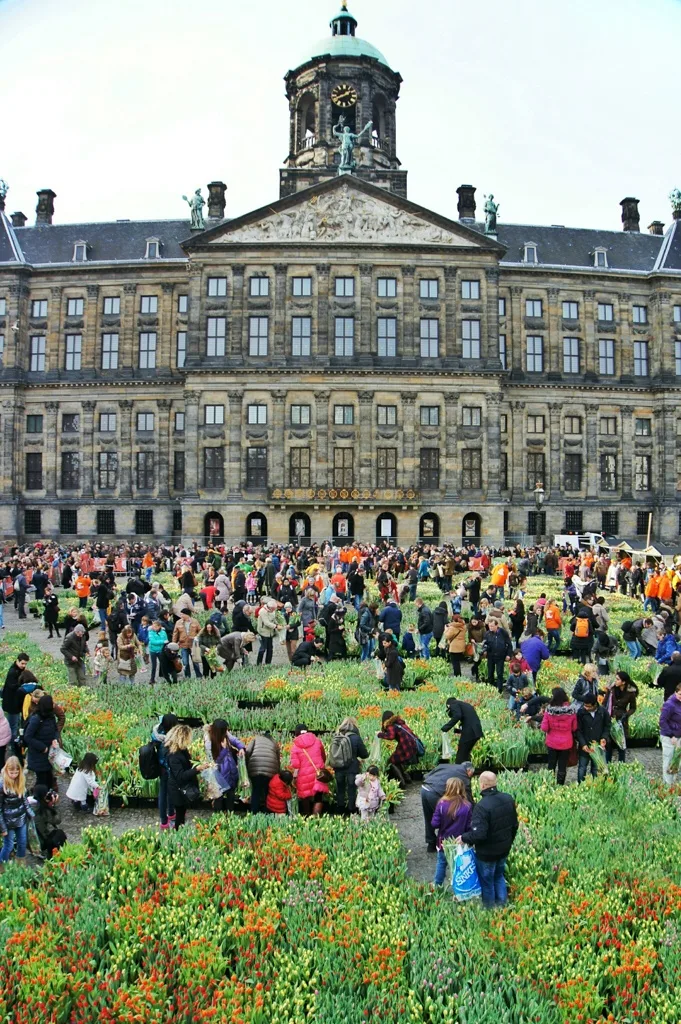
x=379, y=134
x=343, y=529
x=300, y=529
x=530, y=252
x=307, y=121
x=471, y=529
x=256, y=528
x=429, y=528
x=213, y=526
x=386, y=528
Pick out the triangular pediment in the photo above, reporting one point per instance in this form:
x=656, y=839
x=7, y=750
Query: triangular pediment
x=345, y=210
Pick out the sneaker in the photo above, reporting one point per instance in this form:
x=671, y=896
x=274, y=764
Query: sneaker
x=164, y=828
x=171, y=818
x=431, y=847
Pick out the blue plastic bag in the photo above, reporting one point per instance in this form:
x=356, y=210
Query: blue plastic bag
x=465, y=881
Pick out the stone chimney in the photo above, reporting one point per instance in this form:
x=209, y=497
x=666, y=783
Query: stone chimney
x=466, y=206
x=216, y=200
x=18, y=219
x=630, y=215
x=656, y=228
x=44, y=211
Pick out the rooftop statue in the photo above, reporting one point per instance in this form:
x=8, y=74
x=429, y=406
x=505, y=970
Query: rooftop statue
x=675, y=197
x=196, y=205
x=491, y=210
x=348, y=141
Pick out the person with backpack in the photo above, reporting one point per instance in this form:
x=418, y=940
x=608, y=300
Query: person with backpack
x=409, y=747
x=156, y=760
x=346, y=750
x=582, y=631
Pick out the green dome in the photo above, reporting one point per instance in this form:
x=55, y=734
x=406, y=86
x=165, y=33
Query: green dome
x=343, y=46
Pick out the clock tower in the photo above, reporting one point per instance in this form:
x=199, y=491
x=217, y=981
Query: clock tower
x=342, y=76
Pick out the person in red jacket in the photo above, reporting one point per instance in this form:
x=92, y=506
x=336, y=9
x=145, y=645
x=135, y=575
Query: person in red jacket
x=279, y=792
x=560, y=725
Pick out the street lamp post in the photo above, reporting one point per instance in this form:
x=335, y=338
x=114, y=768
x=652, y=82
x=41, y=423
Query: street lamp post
x=539, y=499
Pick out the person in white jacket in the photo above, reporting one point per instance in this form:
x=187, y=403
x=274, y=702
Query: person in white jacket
x=267, y=628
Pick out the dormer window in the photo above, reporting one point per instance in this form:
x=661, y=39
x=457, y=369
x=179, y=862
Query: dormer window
x=530, y=252
x=153, y=249
x=80, y=252
x=601, y=258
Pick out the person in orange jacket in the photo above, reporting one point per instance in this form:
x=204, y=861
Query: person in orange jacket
x=148, y=565
x=664, y=589
x=82, y=588
x=652, y=587
x=553, y=620
x=499, y=577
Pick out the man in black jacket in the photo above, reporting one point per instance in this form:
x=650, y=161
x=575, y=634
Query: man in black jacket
x=498, y=648
x=493, y=829
x=13, y=697
x=424, y=626
x=473, y=588
x=471, y=730
x=433, y=789
x=670, y=676
x=593, y=725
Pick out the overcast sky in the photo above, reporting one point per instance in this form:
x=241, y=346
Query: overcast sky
x=559, y=108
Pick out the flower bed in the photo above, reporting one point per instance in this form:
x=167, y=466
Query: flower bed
x=288, y=921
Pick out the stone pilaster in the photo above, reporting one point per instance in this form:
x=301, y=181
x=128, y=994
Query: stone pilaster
x=324, y=324
x=196, y=317
x=50, y=457
x=54, y=336
x=589, y=453
x=321, y=470
x=489, y=329
x=191, y=444
x=493, y=446
x=591, y=336
x=451, y=466
x=627, y=427
x=163, y=446
x=126, y=414
x=366, y=332
x=366, y=445
x=553, y=454
x=410, y=318
x=448, y=328
x=554, y=335
x=92, y=313
x=165, y=343
x=87, y=435
x=517, y=468
x=515, y=356
x=409, y=440
x=280, y=306
x=278, y=449
x=233, y=481
x=238, y=329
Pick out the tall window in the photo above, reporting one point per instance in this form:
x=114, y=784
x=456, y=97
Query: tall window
x=299, y=467
x=148, y=350
x=301, y=329
x=182, y=303
x=428, y=288
x=387, y=337
x=213, y=468
x=608, y=473
x=535, y=424
x=503, y=471
x=256, y=468
x=573, y=425
x=302, y=286
x=386, y=415
x=216, y=329
x=573, y=472
x=74, y=307
x=214, y=415
x=641, y=367
x=610, y=523
x=570, y=355
x=259, y=287
x=429, y=469
x=386, y=287
x=112, y=306
x=677, y=357
x=536, y=523
x=536, y=469
x=471, y=475
x=534, y=308
x=470, y=335
x=109, y=351
x=343, y=465
x=106, y=522
x=606, y=312
x=2, y=348
x=70, y=423
x=345, y=287
x=574, y=521
x=642, y=473
x=570, y=311
x=70, y=471
x=34, y=424
x=502, y=307
x=3, y=307
x=344, y=414
x=74, y=344
x=107, y=422
x=257, y=414
x=430, y=415
x=386, y=467
x=144, y=521
x=606, y=357
x=503, y=356
x=149, y=304
x=145, y=470
x=600, y=258
x=258, y=328
x=471, y=416
x=152, y=249
x=217, y=287
x=68, y=520
x=640, y=314
x=345, y=335
x=178, y=471
x=608, y=425
x=145, y=422
x=108, y=470
x=38, y=309
x=530, y=252
x=642, y=521
x=34, y=471
x=535, y=353
x=300, y=415
x=37, y=352
x=643, y=427
x=181, y=350
x=430, y=335
x=179, y=423
x=470, y=289
x=677, y=314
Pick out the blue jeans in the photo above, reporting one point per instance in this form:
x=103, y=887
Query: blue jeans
x=440, y=868
x=14, y=834
x=148, y=572
x=425, y=644
x=651, y=603
x=553, y=641
x=412, y=591
x=186, y=655
x=356, y=601
x=492, y=882
x=165, y=804
x=634, y=648
x=585, y=763
x=367, y=649
x=102, y=617
x=2, y=614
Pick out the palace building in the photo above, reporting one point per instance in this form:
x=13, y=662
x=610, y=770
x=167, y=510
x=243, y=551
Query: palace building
x=341, y=362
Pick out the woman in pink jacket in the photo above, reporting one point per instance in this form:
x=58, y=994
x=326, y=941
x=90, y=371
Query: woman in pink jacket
x=307, y=757
x=560, y=725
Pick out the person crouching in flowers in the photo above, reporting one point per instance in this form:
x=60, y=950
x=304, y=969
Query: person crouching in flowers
x=15, y=810
x=370, y=795
x=452, y=817
x=84, y=783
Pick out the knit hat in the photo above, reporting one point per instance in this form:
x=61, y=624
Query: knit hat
x=79, y=629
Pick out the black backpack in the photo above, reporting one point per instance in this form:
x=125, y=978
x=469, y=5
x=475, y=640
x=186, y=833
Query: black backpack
x=150, y=766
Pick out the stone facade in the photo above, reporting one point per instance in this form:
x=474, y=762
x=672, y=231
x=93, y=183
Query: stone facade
x=340, y=363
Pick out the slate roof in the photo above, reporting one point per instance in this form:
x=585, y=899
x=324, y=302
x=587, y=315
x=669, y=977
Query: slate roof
x=116, y=242
x=574, y=247
x=9, y=248
x=670, y=253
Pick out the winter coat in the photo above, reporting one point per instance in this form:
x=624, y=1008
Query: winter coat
x=157, y=640
x=267, y=623
x=307, y=609
x=668, y=679
x=74, y=646
x=621, y=703
x=460, y=711
x=262, y=757
x=425, y=621
x=51, y=613
x=228, y=770
x=370, y=793
x=448, y=828
x=581, y=643
x=406, y=751
x=13, y=810
x=5, y=731
x=585, y=688
x=303, y=654
x=498, y=645
x=601, y=615
x=305, y=747
x=455, y=635
x=38, y=737
x=390, y=617
x=670, y=717
x=493, y=826
x=47, y=819
x=223, y=589
x=560, y=726
x=437, y=779
x=277, y=795
x=394, y=668
x=185, y=633
x=665, y=648
x=593, y=726
x=12, y=694
x=534, y=651
x=181, y=773
x=359, y=750
x=439, y=617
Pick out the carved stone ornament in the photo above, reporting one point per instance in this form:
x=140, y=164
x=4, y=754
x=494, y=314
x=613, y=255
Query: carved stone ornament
x=192, y=398
x=408, y=398
x=341, y=216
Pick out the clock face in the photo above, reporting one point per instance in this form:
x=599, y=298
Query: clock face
x=344, y=96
